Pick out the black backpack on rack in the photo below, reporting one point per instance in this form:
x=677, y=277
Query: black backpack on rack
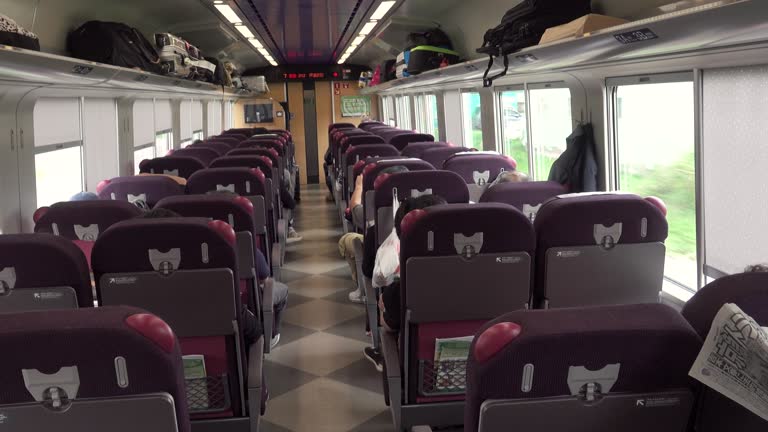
x=114, y=43
x=434, y=37
x=12, y=34
x=523, y=25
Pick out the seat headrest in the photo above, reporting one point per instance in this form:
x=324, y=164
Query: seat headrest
x=364, y=151
x=43, y=261
x=382, y=164
x=401, y=140
x=150, y=189
x=262, y=162
x=497, y=228
x=197, y=243
x=84, y=220
x=242, y=181
x=573, y=220
x=749, y=291
x=181, y=166
x=520, y=194
x=438, y=155
x=416, y=149
x=647, y=347
x=445, y=184
x=235, y=210
x=479, y=168
x=91, y=340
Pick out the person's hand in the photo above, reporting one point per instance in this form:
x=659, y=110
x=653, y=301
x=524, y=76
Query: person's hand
x=381, y=303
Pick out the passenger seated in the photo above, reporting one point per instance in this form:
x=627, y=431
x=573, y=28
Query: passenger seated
x=84, y=196
x=386, y=274
x=251, y=328
x=509, y=177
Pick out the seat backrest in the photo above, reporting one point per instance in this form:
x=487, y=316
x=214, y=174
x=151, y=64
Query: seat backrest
x=370, y=124
x=599, y=249
x=401, y=140
x=265, y=143
x=184, y=270
x=460, y=265
x=205, y=155
x=181, y=166
x=82, y=221
x=149, y=189
x=596, y=368
x=231, y=141
x=42, y=272
x=257, y=151
x=478, y=169
x=113, y=368
x=358, y=153
x=333, y=126
x=246, y=161
x=445, y=184
x=437, y=156
x=416, y=149
x=749, y=291
x=371, y=172
x=525, y=196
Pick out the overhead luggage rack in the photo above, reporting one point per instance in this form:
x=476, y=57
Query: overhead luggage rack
x=33, y=67
x=711, y=26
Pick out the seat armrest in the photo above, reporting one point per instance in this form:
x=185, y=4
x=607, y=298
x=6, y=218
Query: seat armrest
x=268, y=311
x=390, y=352
x=255, y=363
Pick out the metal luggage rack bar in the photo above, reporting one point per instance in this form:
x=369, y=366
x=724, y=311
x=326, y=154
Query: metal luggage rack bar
x=442, y=378
x=208, y=395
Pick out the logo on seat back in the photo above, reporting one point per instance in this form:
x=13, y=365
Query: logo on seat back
x=481, y=177
x=87, y=233
x=468, y=246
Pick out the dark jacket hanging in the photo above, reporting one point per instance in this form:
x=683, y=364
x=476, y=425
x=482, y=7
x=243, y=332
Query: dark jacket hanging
x=577, y=167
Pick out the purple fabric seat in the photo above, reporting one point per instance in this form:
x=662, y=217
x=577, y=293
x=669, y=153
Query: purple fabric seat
x=749, y=291
x=358, y=153
x=370, y=124
x=44, y=261
x=604, y=230
x=82, y=221
x=460, y=266
x=257, y=151
x=206, y=155
x=339, y=126
x=273, y=143
x=445, y=184
x=92, y=340
x=402, y=140
x=180, y=166
x=479, y=168
x=221, y=148
x=525, y=196
x=417, y=149
x=264, y=163
x=651, y=345
x=231, y=141
x=438, y=156
x=194, y=256
x=371, y=172
x=149, y=189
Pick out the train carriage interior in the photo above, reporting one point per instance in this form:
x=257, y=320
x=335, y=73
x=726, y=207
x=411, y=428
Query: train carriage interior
x=383, y=215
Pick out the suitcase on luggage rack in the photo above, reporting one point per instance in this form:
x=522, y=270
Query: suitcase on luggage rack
x=424, y=58
x=434, y=37
x=388, y=72
x=181, y=59
x=14, y=35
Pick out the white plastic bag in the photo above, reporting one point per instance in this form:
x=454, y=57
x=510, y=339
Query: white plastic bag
x=387, y=267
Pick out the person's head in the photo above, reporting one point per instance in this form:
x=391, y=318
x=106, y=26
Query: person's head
x=757, y=268
x=84, y=196
x=510, y=177
x=386, y=172
x=159, y=213
x=417, y=203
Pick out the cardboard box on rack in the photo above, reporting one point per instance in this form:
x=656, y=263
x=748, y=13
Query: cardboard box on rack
x=580, y=27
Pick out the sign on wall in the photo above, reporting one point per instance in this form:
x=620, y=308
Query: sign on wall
x=355, y=106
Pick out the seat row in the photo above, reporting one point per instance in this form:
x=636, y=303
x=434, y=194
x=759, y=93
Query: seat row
x=197, y=277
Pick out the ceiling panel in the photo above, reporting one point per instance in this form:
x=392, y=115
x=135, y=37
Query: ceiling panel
x=304, y=31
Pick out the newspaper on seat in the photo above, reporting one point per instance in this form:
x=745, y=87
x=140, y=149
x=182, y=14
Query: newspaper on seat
x=734, y=360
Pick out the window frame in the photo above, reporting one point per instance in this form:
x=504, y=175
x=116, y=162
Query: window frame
x=613, y=156
x=168, y=133
x=497, y=109
x=463, y=91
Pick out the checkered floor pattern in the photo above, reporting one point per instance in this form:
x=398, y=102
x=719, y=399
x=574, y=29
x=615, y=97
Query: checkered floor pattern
x=318, y=379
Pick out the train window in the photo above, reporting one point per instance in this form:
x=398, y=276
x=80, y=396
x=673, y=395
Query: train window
x=58, y=149
x=140, y=154
x=551, y=124
x=388, y=108
x=214, y=118
x=431, y=114
x=513, y=127
x=654, y=147
x=163, y=142
x=472, y=119
x=198, y=135
x=420, y=114
x=403, y=112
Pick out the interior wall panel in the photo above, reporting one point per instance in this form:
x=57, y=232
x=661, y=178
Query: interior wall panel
x=100, y=140
x=276, y=95
x=163, y=115
x=143, y=122
x=324, y=108
x=296, y=105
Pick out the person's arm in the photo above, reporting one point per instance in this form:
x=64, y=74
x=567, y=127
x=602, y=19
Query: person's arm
x=357, y=194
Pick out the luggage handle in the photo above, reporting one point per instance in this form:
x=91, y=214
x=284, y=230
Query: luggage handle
x=488, y=82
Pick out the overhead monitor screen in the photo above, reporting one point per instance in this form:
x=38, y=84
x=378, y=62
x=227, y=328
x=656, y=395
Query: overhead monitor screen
x=259, y=113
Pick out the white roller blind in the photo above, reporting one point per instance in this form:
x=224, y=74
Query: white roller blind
x=163, y=118
x=197, y=116
x=57, y=121
x=100, y=137
x=143, y=123
x=214, y=117
x=735, y=155
x=185, y=123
